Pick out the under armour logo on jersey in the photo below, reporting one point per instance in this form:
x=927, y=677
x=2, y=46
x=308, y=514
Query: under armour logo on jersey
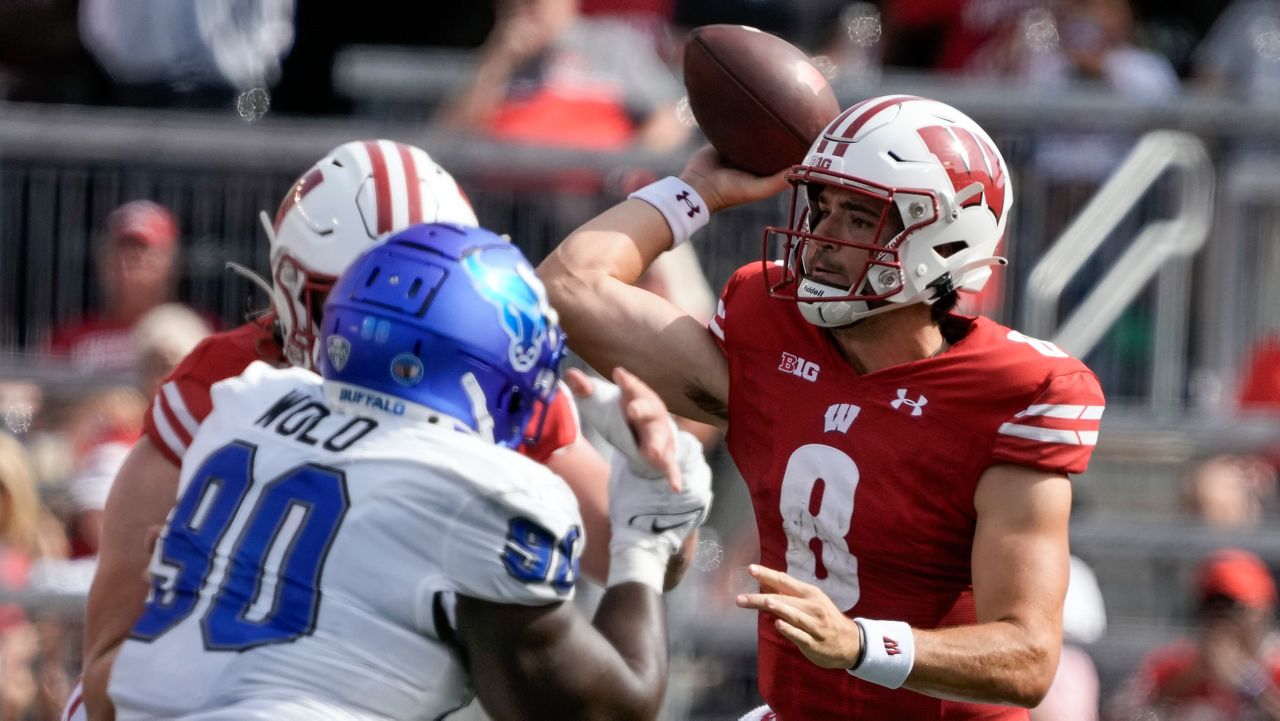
x=891, y=646
x=917, y=405
x=799, y=367
x=694, y=208
x=839, y=417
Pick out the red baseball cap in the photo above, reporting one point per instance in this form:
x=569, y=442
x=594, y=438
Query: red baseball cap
x=1238, y=575
x=144, y=221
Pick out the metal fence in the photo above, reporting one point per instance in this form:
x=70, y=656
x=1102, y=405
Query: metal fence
x=62, y=170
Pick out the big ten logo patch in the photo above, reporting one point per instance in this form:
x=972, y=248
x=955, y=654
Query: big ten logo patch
x=799, y=367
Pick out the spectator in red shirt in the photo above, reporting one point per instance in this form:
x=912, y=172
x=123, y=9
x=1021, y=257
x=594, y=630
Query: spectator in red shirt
x=1231, y=670
x=136, y=269
x=1260, y=390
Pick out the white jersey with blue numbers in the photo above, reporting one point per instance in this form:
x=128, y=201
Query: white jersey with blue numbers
x=309, y=567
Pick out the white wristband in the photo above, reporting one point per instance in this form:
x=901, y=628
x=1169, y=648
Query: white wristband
x=638, y=564
x=679, y=203
x=888, y=652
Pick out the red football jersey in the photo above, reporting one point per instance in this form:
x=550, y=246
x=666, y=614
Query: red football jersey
x=863, y=484
x=183, y=400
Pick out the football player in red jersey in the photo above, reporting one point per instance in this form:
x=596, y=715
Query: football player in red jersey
x=354, y=196
x=908, y=465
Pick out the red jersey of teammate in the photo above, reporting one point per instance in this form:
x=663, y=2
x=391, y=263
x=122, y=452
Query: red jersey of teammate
x=183, y=399
x=863, y=484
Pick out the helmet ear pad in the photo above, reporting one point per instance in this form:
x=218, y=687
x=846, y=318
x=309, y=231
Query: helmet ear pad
x=451, y=321
x=344, y=204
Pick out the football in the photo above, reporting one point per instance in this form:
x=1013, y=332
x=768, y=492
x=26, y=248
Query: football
x=759, y=99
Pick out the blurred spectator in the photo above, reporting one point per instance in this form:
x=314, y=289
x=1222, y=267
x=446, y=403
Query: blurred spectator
x=186, y=52
x=1260, y=390
x=549, y=76
x=1081, y=41
x=1241, y=53
x=1230, y=491
x=24, y=529
x=946, y=35
x=20, y=545
x=1229, y=671
x=1074, y=694
x=1051, y=45
x=136, y=266
x=1096, y=44
x=163, y=337
x=104, y=428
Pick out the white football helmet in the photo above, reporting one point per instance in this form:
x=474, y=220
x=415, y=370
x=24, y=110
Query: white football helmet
x=942, y=176
x=352, y=198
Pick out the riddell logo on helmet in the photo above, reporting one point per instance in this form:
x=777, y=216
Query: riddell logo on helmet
x=968, y=159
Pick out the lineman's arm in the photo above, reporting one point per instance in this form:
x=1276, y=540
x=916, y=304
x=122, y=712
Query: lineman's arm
x=548, y=662
x=144, y=491
x=590, y=277
x=587, y=474
x=1020, y=563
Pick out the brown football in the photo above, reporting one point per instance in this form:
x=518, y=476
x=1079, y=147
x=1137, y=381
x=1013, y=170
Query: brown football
x=759, y=99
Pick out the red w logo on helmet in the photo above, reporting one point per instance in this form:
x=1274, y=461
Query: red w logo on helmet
x=968, y=159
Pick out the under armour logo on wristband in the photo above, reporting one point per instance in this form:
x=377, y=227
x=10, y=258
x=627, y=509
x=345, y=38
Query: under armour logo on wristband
x=694, y=208
x=891, y=646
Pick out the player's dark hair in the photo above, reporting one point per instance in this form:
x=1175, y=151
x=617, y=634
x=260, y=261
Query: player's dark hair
x=942, y=307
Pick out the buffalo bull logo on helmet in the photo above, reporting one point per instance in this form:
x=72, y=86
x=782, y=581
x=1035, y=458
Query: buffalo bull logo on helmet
x=522, y=308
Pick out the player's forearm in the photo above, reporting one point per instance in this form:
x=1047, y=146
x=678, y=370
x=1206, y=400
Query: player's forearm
x=997, y=662
x=632, y=618
x=619, y=243
x=97, y=674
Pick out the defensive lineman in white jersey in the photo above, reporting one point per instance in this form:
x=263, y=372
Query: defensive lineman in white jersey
x=361, y=546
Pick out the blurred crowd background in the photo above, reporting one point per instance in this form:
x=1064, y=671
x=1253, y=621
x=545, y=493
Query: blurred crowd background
x=139, y=139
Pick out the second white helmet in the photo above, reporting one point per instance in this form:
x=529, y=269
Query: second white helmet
x=349, y=200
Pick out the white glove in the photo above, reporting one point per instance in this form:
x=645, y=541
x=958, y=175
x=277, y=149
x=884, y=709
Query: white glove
x=651, y=521
x=602, y=411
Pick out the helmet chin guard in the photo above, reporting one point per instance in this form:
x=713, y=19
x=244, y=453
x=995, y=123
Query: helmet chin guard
x=939, y=179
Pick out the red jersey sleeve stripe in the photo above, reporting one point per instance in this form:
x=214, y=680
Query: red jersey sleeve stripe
x=714, y=324
x=173, y=399
x=74, y=710
x=164, y=436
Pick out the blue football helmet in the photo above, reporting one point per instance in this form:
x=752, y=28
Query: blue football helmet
x=447, y=317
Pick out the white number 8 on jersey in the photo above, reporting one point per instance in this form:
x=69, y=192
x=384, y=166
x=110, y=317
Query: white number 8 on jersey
x=817, y=511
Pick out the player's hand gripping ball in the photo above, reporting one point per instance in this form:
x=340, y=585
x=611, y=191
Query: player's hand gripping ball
x=759, y=99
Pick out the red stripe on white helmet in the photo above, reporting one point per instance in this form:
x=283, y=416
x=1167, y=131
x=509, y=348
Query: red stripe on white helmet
x=381, y=186
x=412, y=183
x=862, y=113
x=301, y=187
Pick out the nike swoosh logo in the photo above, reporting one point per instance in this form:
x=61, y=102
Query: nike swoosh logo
x=663, y=529
x=685, y=518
